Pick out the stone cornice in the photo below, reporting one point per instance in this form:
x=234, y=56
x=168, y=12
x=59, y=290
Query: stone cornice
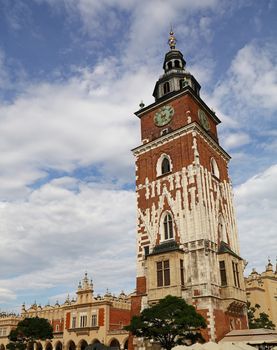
x=192, y=127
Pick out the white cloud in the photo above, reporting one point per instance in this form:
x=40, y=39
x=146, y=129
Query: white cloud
x=63, y=229
x=251, y=83
x=6, y=295
x=256, y=204
x=236, y=139
x=85, y=121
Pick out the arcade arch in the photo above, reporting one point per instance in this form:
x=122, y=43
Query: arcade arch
x=82, y=344
x=115, y=344
x=71, y=345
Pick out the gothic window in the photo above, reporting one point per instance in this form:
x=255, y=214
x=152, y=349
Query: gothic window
x=166, y=88
x=223, y=275
x=163, y=273
x=168, y=226
x=182, y=272
x=165, y=166
x=236, y=274
x=177, y=64
x=214, y=168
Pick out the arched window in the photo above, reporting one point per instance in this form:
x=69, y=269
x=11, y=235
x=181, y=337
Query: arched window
x=168, y=226
x=214, y=168
x=169, y=65
x=166, y=87
x=165, y=166
x=177, y=64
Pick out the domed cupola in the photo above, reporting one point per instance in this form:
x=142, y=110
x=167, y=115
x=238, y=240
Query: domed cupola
x=175, y=76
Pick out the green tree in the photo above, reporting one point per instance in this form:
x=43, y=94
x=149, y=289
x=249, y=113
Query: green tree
x=170, y=322
x=29, y=331
x=262, y=321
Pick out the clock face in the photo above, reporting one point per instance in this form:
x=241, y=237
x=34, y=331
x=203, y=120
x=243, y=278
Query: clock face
x=164, y=115
x=203, y=119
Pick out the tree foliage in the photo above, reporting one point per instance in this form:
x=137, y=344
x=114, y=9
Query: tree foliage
x=28, y=331
x=170, y=322
x=262, y=321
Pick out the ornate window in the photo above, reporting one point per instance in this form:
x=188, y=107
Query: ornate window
x=166, y=88
x=168, y=226
x=214, y=168
x=163, y=273
x=164, y=165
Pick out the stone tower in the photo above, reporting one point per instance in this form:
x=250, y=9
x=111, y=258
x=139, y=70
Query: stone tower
x=187, y=242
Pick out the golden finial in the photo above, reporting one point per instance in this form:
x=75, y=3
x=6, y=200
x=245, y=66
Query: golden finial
x=172, y=40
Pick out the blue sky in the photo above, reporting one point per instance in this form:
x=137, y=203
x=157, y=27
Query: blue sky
x=72, y=72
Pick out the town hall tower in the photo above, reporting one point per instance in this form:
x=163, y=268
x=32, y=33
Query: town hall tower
x=187, y=242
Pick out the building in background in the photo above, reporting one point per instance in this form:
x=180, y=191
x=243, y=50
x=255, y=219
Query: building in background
x=8, y=321
x=88, y=319
x=187, y=242
x=261, y=289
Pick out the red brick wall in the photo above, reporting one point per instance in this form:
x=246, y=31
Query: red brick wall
x=141, y=285
x=205, y=331
x=181, y=105
x=135, y=305
x=67, y=320
x=101, y=317
x=119, y=318
x=223, y=323
x=59, y=323
x=135, y=310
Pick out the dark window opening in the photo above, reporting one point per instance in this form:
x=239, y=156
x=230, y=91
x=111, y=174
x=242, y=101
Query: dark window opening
x=236, y=274
x=166, y=88
x=146, y=250
x=163, y=273
x=223, y=275
x=182, y=272
x=177, y=64
x=181, y=81
x=168, y=227
x=165, y=166
x=164, y=132
x=169, y=65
